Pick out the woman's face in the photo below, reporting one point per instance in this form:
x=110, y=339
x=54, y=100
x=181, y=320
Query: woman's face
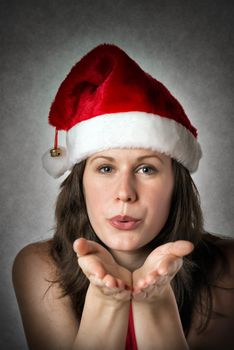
x=128, y=195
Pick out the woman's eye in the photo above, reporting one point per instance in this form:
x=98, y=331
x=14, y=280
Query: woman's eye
x=146, y=169
x=106, y=169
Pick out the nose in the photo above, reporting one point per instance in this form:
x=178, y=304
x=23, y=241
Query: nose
x=126, y=189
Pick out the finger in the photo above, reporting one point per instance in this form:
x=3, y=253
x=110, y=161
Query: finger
x=121, y=284
x=152, y=289
x=167, y=264
x=96, y=281
x=113, y=282
x=179, y=248
x=83, y=246
x=149, y=282
x=110, y=281
x=148, y=291
x=182, y=248
x=147, y=288
x=164, y=274
x=117, y=293
x=100, y=282
x=170, y=265
x=141, y=284
x=90, y=266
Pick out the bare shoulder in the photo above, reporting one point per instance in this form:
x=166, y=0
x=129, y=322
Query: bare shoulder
x=33, y=267
x=37, y=249
x=41, y=301
x=34, y=257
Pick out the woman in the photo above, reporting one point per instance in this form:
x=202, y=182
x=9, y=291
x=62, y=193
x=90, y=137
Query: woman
x=129, y=265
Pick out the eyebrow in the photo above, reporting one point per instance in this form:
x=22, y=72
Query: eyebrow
x=102, y=157
x=111, y=159
x=150, y=156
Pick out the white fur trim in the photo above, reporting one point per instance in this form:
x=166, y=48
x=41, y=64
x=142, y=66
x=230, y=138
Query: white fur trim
x=133, y=130
x=55, y=166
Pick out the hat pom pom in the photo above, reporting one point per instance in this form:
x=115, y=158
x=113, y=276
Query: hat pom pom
x=55, y=162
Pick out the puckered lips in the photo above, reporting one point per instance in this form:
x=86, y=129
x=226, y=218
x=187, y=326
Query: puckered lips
x=124, y=222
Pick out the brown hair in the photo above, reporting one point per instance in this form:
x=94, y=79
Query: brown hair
x=185, y=221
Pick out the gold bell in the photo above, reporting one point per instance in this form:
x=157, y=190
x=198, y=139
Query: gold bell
x=55, y=152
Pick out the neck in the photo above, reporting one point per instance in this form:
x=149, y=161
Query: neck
x=131, y=260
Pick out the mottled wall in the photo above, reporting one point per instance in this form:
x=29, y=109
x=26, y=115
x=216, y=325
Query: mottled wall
x=188, y=45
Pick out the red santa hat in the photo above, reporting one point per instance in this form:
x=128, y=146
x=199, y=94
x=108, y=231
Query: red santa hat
x=107, y=101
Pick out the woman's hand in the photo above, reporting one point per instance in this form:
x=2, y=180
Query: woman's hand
x=102, y=270
x=146, y=283
x=160, y=267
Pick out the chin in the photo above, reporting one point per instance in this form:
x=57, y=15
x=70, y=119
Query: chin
x=125, y=244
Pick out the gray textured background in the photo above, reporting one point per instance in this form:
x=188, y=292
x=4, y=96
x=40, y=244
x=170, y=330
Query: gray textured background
x=188, y=45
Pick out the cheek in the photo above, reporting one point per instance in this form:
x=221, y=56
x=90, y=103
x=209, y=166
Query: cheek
x=95, y=198
x=159, y=203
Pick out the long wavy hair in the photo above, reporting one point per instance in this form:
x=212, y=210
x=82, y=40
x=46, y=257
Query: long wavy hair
x=191, y=285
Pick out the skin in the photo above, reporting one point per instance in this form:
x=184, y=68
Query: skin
x=124, y=270
x=137, y=183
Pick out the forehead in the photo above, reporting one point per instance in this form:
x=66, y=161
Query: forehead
x=130, y=153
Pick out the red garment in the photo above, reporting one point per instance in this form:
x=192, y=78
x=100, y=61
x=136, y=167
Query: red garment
x=131, y=343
